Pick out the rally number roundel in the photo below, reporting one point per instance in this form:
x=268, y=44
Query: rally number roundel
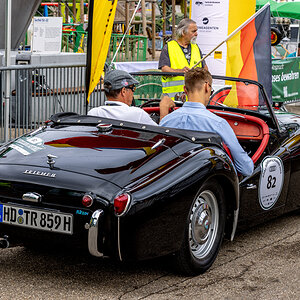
x=271, y=181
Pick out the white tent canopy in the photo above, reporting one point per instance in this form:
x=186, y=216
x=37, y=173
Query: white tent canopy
x=21, y=13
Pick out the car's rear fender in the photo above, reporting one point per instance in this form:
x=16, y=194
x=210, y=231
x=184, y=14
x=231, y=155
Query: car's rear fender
x=155, y=222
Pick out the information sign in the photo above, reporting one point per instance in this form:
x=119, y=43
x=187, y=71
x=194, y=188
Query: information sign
x=47, y=34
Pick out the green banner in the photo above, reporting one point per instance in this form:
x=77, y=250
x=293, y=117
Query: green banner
x=286, y=79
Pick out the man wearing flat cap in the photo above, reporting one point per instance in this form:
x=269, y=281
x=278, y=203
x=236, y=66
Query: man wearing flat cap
x=119, y=87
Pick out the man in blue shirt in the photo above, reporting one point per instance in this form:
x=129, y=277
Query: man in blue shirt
x=193, y=115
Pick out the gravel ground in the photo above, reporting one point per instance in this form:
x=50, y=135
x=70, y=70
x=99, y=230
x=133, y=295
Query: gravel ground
x=262, y=263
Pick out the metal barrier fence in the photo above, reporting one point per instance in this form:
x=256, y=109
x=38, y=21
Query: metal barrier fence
x=37, y=92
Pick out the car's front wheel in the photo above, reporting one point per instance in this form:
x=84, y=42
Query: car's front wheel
x=204, y=230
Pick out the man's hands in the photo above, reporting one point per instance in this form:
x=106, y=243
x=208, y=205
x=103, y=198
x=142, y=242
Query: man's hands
x=185, y=69
x=165, y=105
x=170, y=70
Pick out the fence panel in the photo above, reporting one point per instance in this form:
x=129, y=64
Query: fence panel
x=134, y=48
x=37, y=92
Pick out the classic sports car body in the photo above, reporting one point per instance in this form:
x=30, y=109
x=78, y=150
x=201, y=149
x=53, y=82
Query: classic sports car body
x=132, y=191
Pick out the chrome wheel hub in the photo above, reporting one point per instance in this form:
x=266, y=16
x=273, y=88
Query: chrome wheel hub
x=204, y=222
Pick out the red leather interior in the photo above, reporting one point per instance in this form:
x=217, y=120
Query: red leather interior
x=245, y=127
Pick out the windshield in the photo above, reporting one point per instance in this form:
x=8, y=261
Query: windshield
x=238, y=94
x=235, y=93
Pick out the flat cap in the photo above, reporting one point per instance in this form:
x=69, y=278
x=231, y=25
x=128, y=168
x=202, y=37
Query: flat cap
x=117, y=79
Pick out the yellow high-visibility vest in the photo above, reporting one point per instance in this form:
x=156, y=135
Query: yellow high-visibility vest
x=174, y=84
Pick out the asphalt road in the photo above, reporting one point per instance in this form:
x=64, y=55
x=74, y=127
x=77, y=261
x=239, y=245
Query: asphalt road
x=262, y=263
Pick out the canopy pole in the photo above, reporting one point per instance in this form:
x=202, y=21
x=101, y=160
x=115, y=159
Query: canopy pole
x=127, y=29
x=7, y=64
x=144, y=20
x=164, y=21
x=173, y=19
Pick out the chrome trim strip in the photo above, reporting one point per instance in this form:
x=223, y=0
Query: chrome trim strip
x=229, y=114
x=119, y=234
x=234, y=225
x=93, y=233
x=119, y=242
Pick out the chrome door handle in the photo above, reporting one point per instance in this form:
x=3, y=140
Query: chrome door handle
x=251, y=186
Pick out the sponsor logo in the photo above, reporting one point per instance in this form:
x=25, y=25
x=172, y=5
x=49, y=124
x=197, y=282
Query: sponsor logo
x=277, y=67
x=39, y=173
x=80, y=212
x=205, y=21
x=208, y=28
x=206, y=3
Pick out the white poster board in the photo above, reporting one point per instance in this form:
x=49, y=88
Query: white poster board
x=47, y=34
x=212, y=21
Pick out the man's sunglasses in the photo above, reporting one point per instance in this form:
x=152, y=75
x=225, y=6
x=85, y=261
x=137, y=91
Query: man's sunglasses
x=132, y=87
x=212, y=90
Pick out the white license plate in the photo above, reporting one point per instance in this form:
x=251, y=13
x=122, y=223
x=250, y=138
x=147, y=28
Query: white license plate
x=35, y=218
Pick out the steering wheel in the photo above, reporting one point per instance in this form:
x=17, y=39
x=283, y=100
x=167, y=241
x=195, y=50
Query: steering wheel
x=152, y=108
x=219, y=96
x=151, y=103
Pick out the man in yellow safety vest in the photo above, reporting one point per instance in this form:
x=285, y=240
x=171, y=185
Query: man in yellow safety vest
x=179, y=56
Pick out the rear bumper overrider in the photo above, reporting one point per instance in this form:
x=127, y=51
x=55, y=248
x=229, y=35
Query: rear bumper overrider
x=93, y=233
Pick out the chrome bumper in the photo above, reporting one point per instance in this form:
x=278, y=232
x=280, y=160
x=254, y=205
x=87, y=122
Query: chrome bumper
x=93, y=233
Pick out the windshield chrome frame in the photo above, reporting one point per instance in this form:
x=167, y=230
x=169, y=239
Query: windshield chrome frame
x=262, y=90
x=218, y=77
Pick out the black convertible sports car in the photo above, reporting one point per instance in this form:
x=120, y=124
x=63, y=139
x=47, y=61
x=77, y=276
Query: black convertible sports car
x=133, y=191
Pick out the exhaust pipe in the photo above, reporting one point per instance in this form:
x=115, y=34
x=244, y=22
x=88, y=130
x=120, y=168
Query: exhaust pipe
x=4, y=243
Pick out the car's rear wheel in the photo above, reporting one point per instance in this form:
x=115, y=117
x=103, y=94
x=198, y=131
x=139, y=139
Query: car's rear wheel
x=204, y=230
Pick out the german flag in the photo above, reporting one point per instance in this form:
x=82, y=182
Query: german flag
x=249, y=56
x=101, y=19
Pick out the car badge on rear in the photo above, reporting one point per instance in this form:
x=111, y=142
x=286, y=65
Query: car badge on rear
x=39, y=173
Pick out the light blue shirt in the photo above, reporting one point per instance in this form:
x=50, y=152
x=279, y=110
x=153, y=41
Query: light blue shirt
x=195, y=116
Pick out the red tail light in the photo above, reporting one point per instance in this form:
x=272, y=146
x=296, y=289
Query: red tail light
x=87, y=200
x=121, y=204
